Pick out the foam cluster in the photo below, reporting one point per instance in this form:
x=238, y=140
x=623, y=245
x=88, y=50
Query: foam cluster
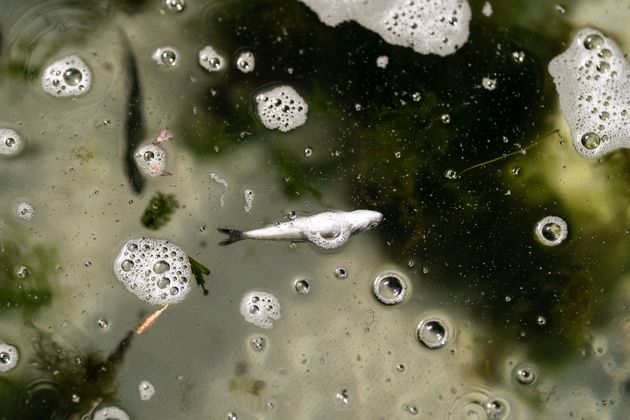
x=211, y=60
x=8, y=357
x=428, y=26
x=147, y=390
x=151, y=159
x=281, y=108
x=69, y=76
x=25, y=211
x=260, y=308
x=592, y=78
x=10, y=142
x=155, y=270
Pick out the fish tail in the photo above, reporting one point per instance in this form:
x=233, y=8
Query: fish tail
x=233, y=236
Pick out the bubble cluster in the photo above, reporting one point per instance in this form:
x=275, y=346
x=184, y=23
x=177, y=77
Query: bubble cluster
x=69, y=76
x=146, y=390
x=165, y=56
x=151, y=159
x=246, y=62
x=382, y=61
x=282, y=108
x=110, y=413
x=8, y=357
x=10, y=142
x=25, y=211
x=592, y=78
x=211, y=60
x=260, y=308
x=248, y=195
x=551, y=230
x=390, y=288
x=429, y=27
x=433, y=332
x=155, y=270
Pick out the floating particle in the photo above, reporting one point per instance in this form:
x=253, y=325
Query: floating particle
x=25, y=211
x=592, y=78
x=151, y=159
x=525, y=375
x=302, y=286
x=382, y=61
x=489, y=83
x=175, y=5
x=433, y=332
x=248, y=195
x=155, y=270
x=390, y=288
x=10, y=142
x=551, y=230
x=165, y=56
x=211, y=60
x=282, y=108
x=147, y=390
x=69, y=76
x=9, y=357
x=260, y=308
x=486, y=10
x=110, y=413
x=246, y=62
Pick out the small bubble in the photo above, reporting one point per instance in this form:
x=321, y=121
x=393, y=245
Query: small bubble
x=516, y=171
x=168, y=57
x=495, y=409
x=342, y=398
x=21, y=272
x=161, y=267
x=358, y=107
x=561, y=9
x=175, y=5
x=10, y=142
x=488, y=83
x=146, y=390
x=416, y=96
x=518, y=56
x=308, y=152
x=400, y=367
x=382, y=61
x=103, y=323
x=541, y=320
x=245, y=62
x=75, y=398
x=302, y=286
x=446, y=118
x=603, y=67
x=163, y=282
x=605, y=53
x=127, y=265
x=72, y=76
x=5, y=358
x=450, y=174
x=232, y=416
x=433, y=333
x=390, y=288
x=411, y=409
x=132, y=247
x=25, y=211
x=525, y=375
x=341, y=273
x=258, y=343
x=87, y=264
x=148, y=155
x=9, y=357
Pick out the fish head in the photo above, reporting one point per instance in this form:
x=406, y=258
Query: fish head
x=365, y=220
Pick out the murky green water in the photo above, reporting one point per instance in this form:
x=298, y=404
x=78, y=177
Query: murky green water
x=510, y=327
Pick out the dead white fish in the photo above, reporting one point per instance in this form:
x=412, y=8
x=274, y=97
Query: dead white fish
x=328, y=230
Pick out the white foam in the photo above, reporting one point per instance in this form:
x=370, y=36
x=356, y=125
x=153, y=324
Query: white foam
x=260, y=308
x=282, y=108
x=25, y=211
x=69, y=76
x=151, y=159
x=246, y=62
x=210, y=59
x=9, y=357
x=428, y=26
x=110, y=413
x=155, y=270
x=382, y=61
x=147, y=390
x=10, y=142
x=486, y=10
x=592, y=78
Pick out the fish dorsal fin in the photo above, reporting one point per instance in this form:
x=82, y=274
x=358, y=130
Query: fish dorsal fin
x=328, y=243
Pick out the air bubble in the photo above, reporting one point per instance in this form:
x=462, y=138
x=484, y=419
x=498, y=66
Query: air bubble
x=489, y=83
x=308, y=152
x=382, y=61
x=551, y=230
x=416, y=97
x=341, y=273
x=127, y=265
x=445, y=118
x=232, y=416
x=69, y=76
x=593, y=41
x=591, y=141
x=258, y=343
x=9, y=357
x=72, y=76
x=496, y=408
x=10, y=142
x=161, y=267
x=146, y=390
x=518, y=56
x=151, y=160
x=302, y=286
x=110, y=413
x=525, y=375
x=390, y=288
x=260, y=308
x=342, y=398
x=21, y=272
x=165, y=56
x=25, y=211
x=246, y=62
x=103, y=323
x=210, y=59
x=433, y=332
x=175, y=5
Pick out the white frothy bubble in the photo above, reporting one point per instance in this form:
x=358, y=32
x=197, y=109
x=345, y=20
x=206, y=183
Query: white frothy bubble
x=248, y=194
x=489, y=83
x=260, y=308
x=165, y=56
x=551, y=230
x=486, y=9
x=10, y=142
x=382, y=61
x=429, y=27
x=155, y=270
x=110, y=413
x=592, y=78
x=211, y=60
x=69, y=76
x=9, y=357
x=25, y=211
x=151, y=159
x=246, y=62
x=282, y=108
x=147, y=390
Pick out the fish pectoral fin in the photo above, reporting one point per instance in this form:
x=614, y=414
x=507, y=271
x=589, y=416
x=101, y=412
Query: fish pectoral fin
x=328, y=243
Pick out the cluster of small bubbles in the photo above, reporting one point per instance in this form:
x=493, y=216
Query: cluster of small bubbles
x=155, y=270
x=518, y=56
x=9, y=357
x=232, y=416
x=416, y=96
x=246, y=62
x=25, y=211
x=175, y=5
x=489, y=83
x=10, y=142
x=342, y=398
x=260, y=308
x=103, y=323
x=382, y=61
x=341, y=273
x=110, y=413
x=525, y=375
x=411, y=409
x=445, y=118
x=433, y=332
x=390, y=288
x=151, y=159
x=308, y=152
x=211, y=60
x=69, y=76
x=146, y=390
x=21, y=272
x=496, y=408
x=302, y=286
x=258, y=343
x=551, y=230
x=248, y=195
x=450, y=174
x=282, y=108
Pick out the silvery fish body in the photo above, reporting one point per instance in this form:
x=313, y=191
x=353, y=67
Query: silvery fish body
x=328, y=230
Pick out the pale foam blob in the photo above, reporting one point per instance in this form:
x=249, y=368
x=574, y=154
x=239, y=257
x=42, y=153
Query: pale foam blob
x=592, y=78
x=155, y=270
x=110, y=413
x=151, y=159
x=248, y=195
x=282, y=108
x=69, y=76
x=9, y=357
x=382, y=61
x=210, y=59
x=428, y=26
x=146, y=390
x=486, y=9
x=246, y=62
x=25, y=211
x=10, y=142
x=165, y=56
x=260, y=308
x=489, y=83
